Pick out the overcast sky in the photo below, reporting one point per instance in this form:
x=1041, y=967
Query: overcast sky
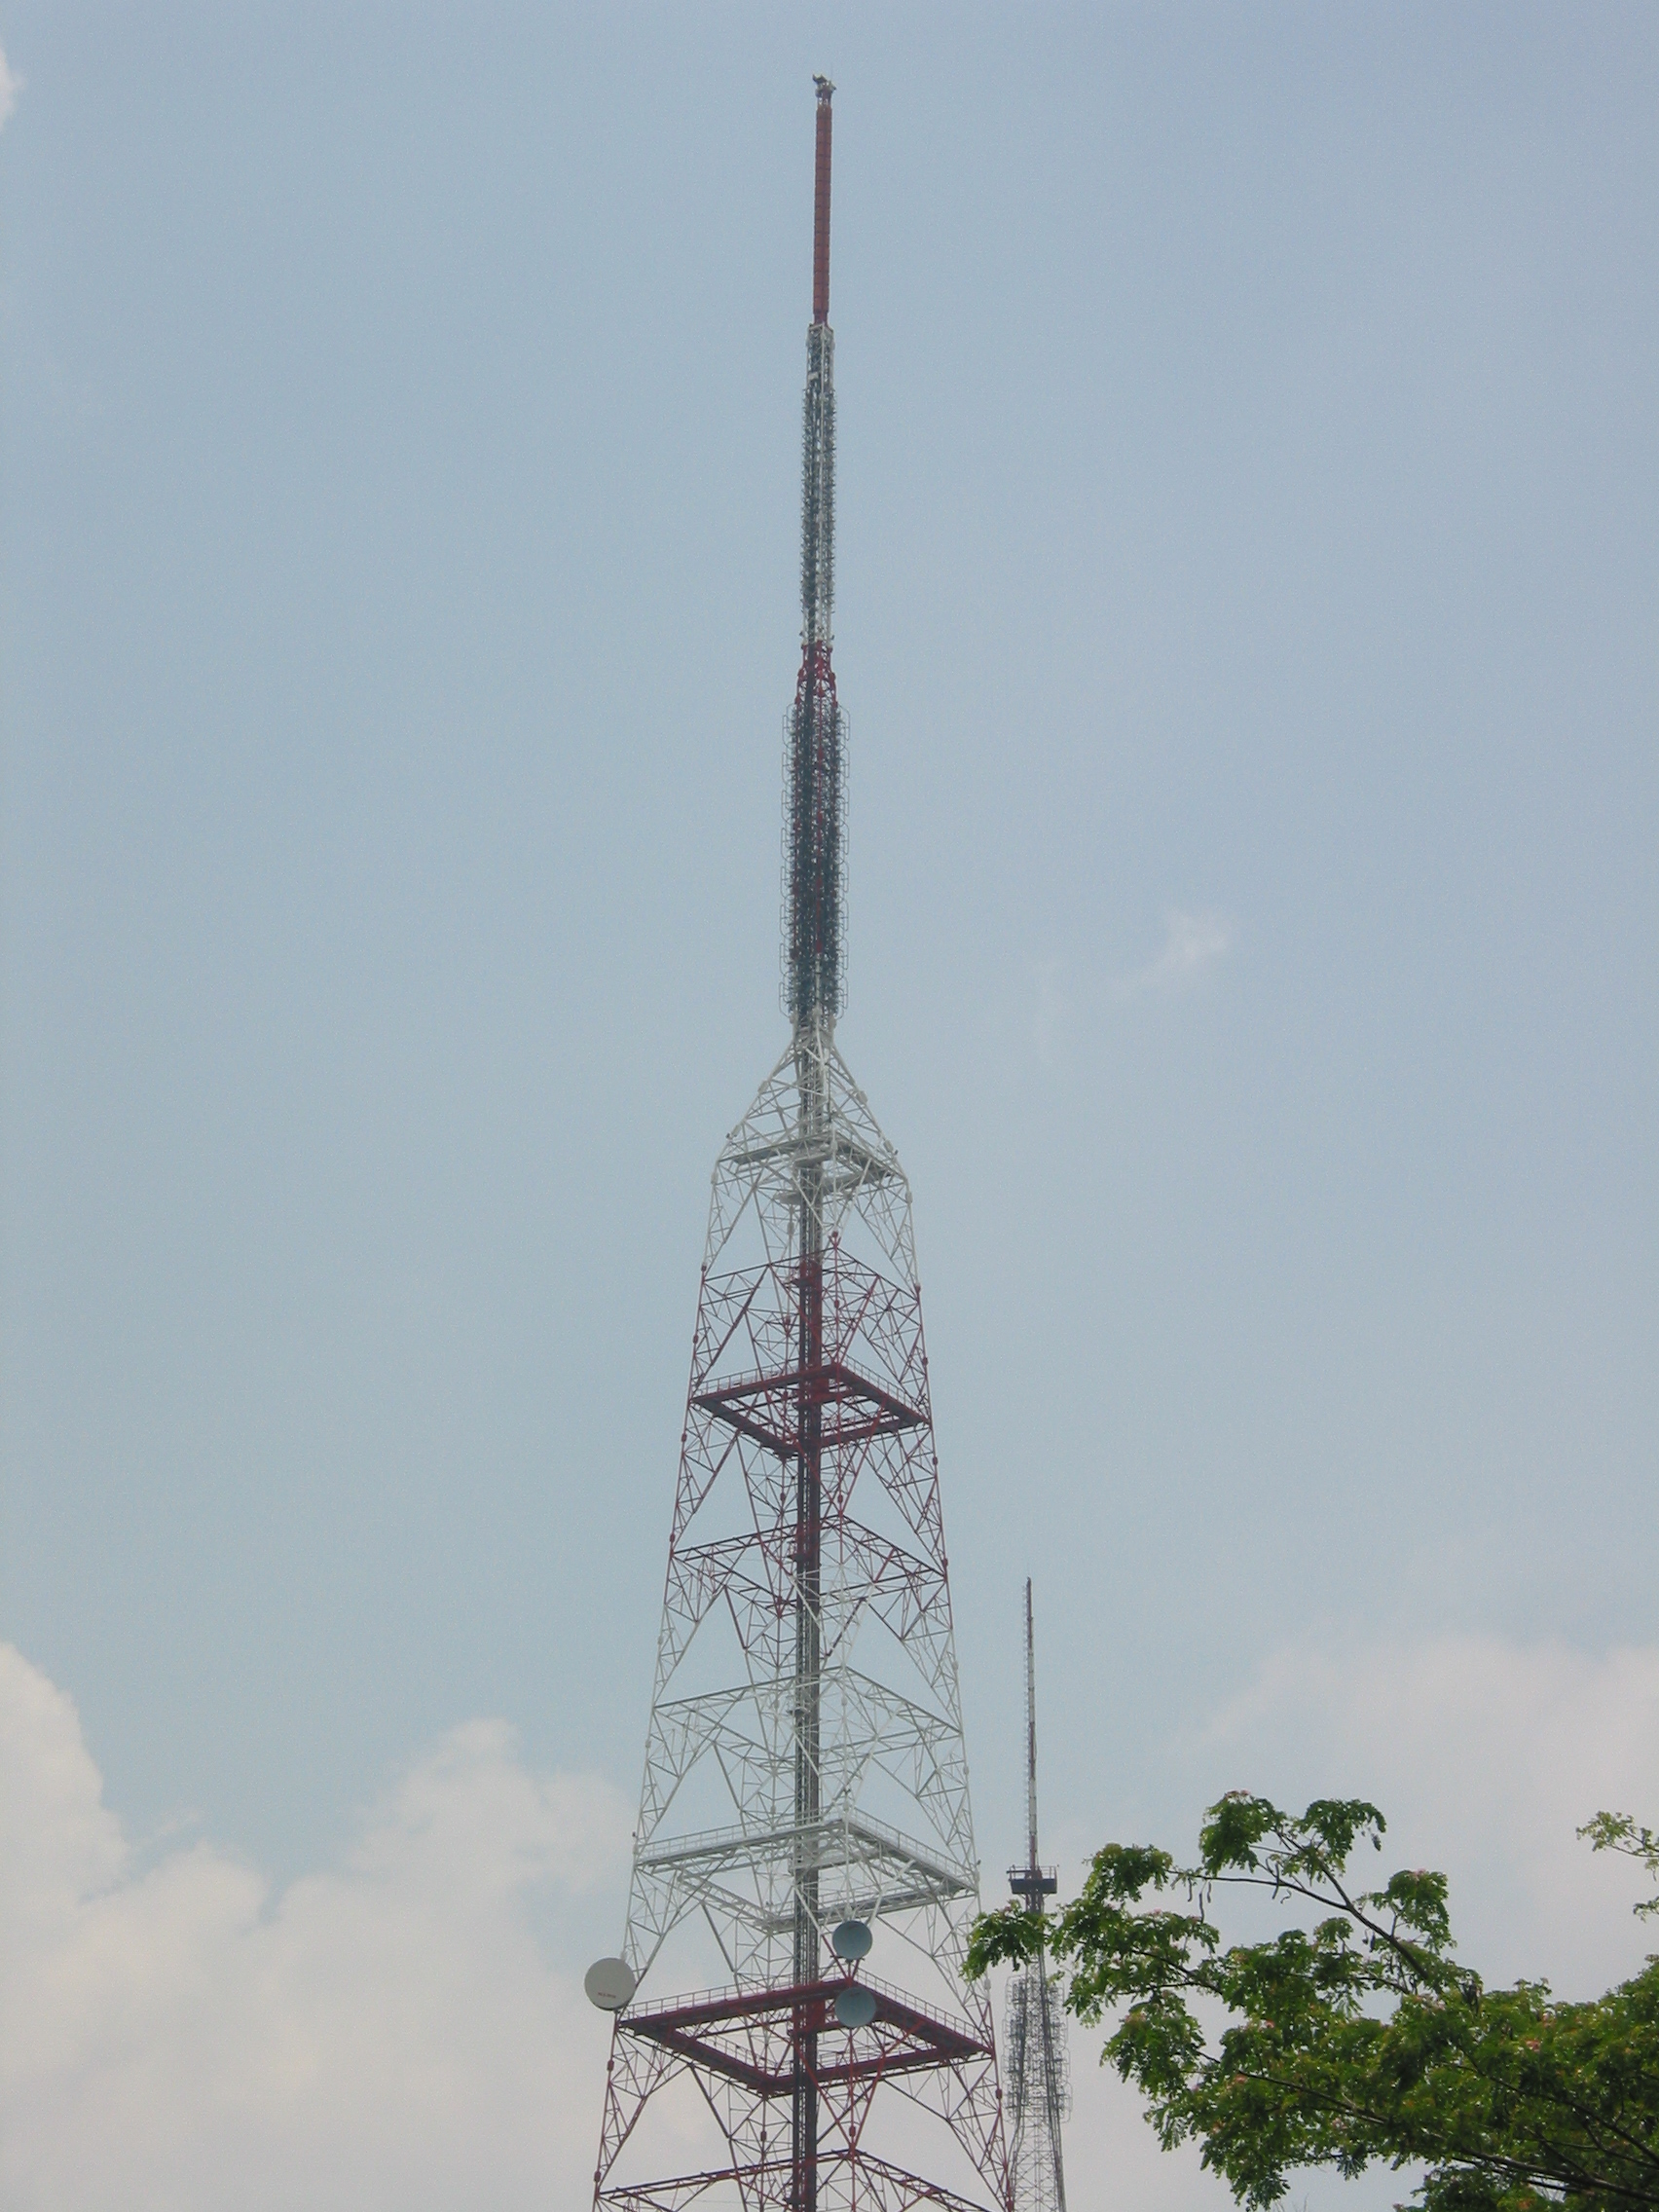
x=1248, y=624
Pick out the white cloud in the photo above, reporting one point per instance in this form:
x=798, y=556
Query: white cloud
x=387, y=2033
x=1192, y=942
x=11, y=84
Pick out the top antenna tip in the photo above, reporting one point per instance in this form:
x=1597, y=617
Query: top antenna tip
x=820, y=207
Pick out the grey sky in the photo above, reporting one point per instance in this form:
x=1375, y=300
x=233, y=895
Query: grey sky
x=1248, y=622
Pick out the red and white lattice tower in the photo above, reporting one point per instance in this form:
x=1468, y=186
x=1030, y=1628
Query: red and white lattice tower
x=791, y=2026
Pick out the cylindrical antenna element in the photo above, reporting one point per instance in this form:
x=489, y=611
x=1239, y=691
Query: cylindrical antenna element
x=1030, y=1726
x=814, y=786
x=821, y=207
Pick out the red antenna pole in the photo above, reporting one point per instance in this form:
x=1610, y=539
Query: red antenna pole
x=821, y=207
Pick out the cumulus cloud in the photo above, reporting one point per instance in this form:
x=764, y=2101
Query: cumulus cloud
x=386, y=2032
x=1192, y=942
x=11, y=84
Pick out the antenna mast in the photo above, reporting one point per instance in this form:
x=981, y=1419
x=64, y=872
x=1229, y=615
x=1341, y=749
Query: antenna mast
x=814, y=826
x=1039, y=2071
x=1030, y=1730
x=804, y=1802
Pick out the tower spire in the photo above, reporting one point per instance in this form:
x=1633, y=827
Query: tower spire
x=815, y=732
x=1030, y=1728
x=821, y=206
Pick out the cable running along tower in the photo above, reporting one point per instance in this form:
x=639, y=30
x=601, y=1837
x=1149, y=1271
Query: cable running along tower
x=1039, y=2072
x=792, y=2027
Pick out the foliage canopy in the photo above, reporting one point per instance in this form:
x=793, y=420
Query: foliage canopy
x=1361, y=2039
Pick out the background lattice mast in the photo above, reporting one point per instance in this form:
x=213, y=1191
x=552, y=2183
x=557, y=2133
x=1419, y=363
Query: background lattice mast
x=1038, y=2063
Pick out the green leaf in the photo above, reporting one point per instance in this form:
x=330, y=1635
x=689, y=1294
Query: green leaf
x=1357, y=2038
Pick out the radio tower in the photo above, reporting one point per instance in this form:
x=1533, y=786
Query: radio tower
x=805, y=1798
x=1039, y=2074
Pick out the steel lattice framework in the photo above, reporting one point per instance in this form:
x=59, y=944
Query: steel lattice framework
x=804, y=1761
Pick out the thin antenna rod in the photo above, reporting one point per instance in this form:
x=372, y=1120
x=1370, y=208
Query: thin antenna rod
x=1030, y=1728
x=820, y=207
x=1033, y=1881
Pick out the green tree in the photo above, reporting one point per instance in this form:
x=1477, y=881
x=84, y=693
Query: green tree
x=1360, y=2038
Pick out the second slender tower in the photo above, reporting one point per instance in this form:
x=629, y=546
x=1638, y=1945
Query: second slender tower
x=1038, y=2077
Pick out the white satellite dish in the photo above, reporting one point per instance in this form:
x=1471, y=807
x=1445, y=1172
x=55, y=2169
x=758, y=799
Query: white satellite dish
x=609, y=1983
x=855, y=2005
x=852, y=1940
